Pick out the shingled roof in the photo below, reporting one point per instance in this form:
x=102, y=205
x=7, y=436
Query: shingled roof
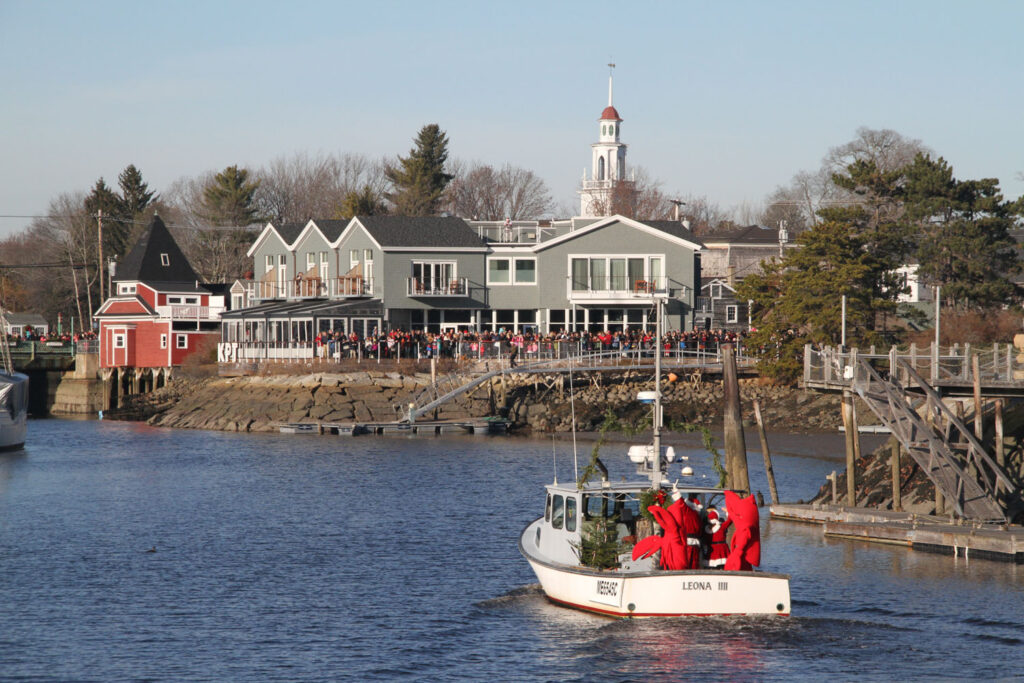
x=421, y=231
x=155, y=257
x=676, y=229
x=751, y=234
x=289, y=232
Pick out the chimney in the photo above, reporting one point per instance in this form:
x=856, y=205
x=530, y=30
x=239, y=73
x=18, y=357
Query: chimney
x=731, y=277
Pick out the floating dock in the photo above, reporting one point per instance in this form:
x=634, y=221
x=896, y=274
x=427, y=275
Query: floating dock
x=420, y=428
x=928, y=533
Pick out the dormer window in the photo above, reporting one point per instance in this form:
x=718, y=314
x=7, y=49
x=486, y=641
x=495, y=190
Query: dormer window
x=165, y=260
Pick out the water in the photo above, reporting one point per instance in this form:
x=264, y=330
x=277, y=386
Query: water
x=298, y=558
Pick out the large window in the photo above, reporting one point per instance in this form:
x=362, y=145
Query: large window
x=498, y=271
x=732, y=314
x=526, y=271
x=433, y=276
x=616, y=273
x=511, y=271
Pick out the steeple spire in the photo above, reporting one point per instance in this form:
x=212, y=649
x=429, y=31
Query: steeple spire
x=611, y=68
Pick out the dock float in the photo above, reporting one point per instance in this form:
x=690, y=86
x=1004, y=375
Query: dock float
x=928, y=533
x=419, y=428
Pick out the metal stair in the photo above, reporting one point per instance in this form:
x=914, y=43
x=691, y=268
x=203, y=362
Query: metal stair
x=967, y=476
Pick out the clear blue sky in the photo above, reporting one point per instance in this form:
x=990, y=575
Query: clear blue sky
x=724, y=99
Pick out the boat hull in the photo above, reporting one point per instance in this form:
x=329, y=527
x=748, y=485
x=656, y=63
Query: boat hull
x=13, y=410
x=694, y=592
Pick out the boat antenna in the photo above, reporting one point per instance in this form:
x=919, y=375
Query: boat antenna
x=656, y=421
x=572, y=407
x=554, y=458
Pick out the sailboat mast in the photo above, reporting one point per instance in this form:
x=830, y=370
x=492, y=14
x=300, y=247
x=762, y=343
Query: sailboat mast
x=656, y=469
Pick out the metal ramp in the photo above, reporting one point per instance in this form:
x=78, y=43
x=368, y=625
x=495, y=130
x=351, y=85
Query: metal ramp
x=942, y=445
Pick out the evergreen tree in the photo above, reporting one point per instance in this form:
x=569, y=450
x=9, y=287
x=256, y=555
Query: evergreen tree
x=135, y=197
x=116, y=223
x=962, y=233
x=228, y=198
x=364, y=202
x=419, y=180
x=135, y=194
x=798, y=298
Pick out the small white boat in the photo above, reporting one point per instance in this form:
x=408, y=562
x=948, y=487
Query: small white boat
x=602, y=522
x=13, y=410
x=13, y=400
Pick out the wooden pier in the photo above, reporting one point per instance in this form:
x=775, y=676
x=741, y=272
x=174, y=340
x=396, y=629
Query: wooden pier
x=928, y=533
x=402, y=428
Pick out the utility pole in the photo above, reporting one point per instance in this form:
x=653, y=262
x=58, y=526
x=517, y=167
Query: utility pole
x=99, y=228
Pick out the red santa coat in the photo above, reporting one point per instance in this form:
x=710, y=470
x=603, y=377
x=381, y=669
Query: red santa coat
x=745, y=553
x=718, y=524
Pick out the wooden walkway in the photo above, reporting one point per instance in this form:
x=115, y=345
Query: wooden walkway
x=422, y=428
x=919, y=532
x=906, y=390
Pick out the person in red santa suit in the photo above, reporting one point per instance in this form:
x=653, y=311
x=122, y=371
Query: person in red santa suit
x=718, y=524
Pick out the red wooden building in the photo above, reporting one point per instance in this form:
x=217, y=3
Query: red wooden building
x=158, y=313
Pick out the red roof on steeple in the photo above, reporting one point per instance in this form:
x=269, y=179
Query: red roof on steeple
x=609, y=114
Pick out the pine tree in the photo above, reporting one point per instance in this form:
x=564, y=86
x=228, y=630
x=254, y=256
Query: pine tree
x=228, y=198
x=419, y=180
x=963, y=235
x=364, y=202
x=798, y=298
x=135, y=194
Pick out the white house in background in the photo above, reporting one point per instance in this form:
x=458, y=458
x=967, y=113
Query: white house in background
x=916, y=292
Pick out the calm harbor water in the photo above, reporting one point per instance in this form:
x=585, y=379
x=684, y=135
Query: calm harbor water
x=134, y=553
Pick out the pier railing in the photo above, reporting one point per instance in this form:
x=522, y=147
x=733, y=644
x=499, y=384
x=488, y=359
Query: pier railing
x=950, y=366
x=468, y=353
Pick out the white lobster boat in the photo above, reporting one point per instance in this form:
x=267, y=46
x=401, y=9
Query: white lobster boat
x=628, y=588
x=636, y=588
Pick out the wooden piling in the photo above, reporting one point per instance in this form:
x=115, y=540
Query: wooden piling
x=851, y=462
x=897, y=497
x=766, y=453
x=735, y=444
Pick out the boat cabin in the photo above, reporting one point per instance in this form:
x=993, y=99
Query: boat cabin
x=572, y=515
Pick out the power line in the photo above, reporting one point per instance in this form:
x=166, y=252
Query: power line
x=251, y=226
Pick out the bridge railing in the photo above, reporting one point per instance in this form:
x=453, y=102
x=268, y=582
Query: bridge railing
x=997, y=364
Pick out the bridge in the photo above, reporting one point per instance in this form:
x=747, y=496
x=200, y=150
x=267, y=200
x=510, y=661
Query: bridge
x=906, y=389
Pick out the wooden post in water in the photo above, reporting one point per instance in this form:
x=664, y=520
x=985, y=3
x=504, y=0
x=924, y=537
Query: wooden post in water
x=851, y=461
x=978, y=427
x=998, y=438
x=766, y=453
x=735, y=443
x=897, y=498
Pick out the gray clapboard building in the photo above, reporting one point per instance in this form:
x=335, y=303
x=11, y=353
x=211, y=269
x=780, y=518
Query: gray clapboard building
x=444, y=273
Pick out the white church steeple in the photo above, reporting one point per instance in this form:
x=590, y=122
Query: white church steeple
x=608, y=161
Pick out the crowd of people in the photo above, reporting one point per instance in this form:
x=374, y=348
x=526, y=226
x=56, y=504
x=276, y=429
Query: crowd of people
x=31, y=335
x=399, y=343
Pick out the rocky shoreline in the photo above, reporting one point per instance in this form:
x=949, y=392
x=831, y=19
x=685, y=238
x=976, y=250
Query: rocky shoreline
x=261, y=403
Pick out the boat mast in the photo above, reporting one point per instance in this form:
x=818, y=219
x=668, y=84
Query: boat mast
x=656, y=462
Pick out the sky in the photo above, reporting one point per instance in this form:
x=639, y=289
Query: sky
x=726, y=100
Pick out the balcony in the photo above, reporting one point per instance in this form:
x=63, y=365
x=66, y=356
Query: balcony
x=190, y=312
x=613, y=288
x=453, y=287
x=313, y=288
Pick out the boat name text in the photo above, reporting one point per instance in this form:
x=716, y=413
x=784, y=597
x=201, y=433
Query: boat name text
x=609, y=588
x=696, y=585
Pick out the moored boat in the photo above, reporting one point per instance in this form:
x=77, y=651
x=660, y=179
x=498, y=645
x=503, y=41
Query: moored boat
x=13, y=401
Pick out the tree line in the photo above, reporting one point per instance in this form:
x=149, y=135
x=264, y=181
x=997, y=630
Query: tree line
x=216, y=215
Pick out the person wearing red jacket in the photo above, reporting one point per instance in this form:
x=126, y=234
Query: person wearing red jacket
x=718, y=524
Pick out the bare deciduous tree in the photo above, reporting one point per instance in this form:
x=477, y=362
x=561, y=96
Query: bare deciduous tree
x=481, y=192
x=296, y=188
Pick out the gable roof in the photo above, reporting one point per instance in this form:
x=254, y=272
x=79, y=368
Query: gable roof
x=424, y=232
x=752, y=234
x=155, y=257
x=670, y=230
x=289, y=232
x=330, y=228
x=122, y=306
